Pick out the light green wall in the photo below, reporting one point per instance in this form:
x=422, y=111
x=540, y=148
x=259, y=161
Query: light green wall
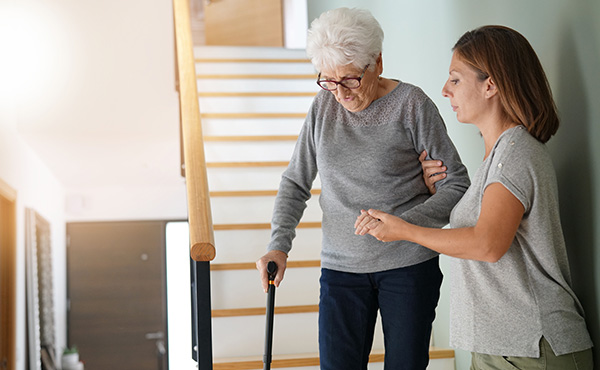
x=418, y=39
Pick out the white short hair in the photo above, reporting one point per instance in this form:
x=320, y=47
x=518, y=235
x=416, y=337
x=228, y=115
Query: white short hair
x=344, y=36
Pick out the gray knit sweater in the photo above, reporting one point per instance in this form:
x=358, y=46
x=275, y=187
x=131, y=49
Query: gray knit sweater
x=368, y=159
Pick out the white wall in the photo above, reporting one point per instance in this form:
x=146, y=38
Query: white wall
x=39, y=190
x=105, y=80
x=566, y=36
x=294, y=23
x=93, y=65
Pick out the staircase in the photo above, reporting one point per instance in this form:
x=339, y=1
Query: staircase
x=253, y=102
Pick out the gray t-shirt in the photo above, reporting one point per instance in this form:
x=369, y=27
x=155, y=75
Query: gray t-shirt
x=368, y=159
x=504, y=308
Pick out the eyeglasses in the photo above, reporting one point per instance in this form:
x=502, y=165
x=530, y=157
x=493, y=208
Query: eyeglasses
x=348, y=83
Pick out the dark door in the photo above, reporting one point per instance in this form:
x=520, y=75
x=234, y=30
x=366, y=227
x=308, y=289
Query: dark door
x=117, y=290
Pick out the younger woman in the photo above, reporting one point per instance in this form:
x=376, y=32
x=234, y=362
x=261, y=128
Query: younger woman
x=512, y=304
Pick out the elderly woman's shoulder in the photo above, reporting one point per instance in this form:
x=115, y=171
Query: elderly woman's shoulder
x=323, y=95
x=412, y=94
x=409, y=89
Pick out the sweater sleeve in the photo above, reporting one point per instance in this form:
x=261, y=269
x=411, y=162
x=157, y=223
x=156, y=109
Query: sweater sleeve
x=294, y=189
x=430, y=134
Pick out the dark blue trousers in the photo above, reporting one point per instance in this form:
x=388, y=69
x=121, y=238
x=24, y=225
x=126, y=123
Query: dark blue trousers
x=406, y=298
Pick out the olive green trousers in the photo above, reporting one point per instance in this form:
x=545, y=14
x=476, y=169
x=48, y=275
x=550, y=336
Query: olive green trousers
x=547, y=361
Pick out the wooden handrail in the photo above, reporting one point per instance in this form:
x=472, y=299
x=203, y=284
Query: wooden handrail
x=202, y=241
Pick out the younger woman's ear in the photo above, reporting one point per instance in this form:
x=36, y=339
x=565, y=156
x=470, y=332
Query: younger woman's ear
x=490, y=88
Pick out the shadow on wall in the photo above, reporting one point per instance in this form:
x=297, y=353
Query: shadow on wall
x=572, y=157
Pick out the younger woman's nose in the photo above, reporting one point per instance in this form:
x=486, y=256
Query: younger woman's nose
x=445, y=91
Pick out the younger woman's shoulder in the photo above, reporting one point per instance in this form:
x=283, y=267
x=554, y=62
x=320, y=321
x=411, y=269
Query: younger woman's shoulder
x=523, y=150
x=519, y=139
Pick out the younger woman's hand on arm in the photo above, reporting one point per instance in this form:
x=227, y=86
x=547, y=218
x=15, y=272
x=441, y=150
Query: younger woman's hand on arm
x=499, y=218
x=433, y=171
x=383, y=226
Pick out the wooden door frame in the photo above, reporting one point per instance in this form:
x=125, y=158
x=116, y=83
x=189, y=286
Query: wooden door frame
x=8, y=237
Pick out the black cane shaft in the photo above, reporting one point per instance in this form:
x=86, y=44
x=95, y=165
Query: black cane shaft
x=267, y=358
x=269, y=329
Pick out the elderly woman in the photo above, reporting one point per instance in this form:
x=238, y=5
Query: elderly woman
x=364, y=135
x=512, y=302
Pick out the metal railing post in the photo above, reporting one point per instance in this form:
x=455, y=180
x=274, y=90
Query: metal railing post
x=201, y=322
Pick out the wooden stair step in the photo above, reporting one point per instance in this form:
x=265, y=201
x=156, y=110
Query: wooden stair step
x=252, y=193
x=266, y=94
x=260, y=226
x=249, y=60
x=252, y=138
x=252, y=265
x=252, y=115
x=247, y=164
x=305, y=360
x=256, y=311
x=273, y=76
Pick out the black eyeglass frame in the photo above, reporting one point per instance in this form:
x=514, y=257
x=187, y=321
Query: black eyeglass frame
x=341, y=82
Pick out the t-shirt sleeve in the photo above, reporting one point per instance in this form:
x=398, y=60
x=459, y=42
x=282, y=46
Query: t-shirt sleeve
x=516, y=169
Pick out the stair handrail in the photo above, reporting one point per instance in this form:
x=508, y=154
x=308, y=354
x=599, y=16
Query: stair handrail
x=202, y=244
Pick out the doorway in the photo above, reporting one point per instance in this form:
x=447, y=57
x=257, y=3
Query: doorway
x=8, y=226
x=274, y=23
x=244, y=23
x=116, y=294
x=179, y=297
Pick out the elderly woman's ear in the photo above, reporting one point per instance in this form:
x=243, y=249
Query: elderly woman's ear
x=379, y=65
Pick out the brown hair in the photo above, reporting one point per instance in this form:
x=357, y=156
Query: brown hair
x=507, y=57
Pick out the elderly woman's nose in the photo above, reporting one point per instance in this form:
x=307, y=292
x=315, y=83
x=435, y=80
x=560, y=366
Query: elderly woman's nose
x=341, y=89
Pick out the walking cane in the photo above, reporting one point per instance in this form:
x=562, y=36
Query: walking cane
x=271, y=271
